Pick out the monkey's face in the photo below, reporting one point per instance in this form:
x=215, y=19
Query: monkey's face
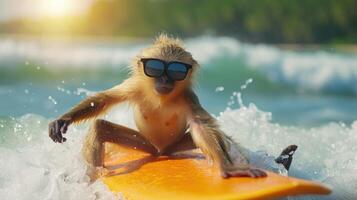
x=165, y=74
x=170, y=68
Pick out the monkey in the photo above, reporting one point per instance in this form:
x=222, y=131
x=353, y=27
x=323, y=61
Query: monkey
x=167, y=113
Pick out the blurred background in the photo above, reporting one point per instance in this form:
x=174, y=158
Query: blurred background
x=256, y=21
x=299, y=55
x=274, y=72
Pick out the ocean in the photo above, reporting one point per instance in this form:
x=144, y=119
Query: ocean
x=265, y=97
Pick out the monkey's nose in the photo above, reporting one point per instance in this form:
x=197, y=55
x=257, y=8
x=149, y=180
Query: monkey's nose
x=165, y=78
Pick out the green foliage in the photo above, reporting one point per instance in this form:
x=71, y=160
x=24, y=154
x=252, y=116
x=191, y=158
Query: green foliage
x=274, y=21
x=254, y=20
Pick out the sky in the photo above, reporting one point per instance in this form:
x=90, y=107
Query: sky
x=10, y=9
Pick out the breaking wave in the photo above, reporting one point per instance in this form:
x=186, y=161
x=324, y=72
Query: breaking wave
x=316, y=70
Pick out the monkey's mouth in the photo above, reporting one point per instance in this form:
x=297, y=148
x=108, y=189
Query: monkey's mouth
x=164, y=88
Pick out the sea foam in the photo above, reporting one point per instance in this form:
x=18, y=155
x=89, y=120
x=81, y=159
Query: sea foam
x=33, y=167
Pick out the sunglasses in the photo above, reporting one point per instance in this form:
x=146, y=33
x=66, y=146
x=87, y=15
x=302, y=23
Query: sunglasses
x=156, y=68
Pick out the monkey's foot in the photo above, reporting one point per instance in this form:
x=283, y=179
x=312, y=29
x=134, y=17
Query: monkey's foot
x=286, y=156
x=95, y=173
x=249, y=172
x=101, y=172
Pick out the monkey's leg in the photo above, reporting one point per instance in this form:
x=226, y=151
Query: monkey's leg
x=184, y=144
x=105, y=131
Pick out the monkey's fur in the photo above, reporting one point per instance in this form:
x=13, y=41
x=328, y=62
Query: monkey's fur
x=167, y=123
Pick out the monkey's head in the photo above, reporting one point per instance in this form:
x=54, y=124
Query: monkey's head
x=165, y=67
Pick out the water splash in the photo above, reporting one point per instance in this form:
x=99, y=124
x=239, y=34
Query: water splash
x=247, y=82
x=237, y=95
x=41, y=169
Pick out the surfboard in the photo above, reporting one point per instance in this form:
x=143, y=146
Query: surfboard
x=139, y=176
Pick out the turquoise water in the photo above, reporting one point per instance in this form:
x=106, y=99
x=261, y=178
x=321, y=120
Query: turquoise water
x=265, y=97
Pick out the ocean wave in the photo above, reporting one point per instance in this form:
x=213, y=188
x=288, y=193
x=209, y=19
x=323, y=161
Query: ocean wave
x=56, y=55
x=310, y=70
x=32, y=163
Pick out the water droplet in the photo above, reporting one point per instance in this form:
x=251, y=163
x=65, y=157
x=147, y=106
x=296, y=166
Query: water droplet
x=52, y=99
x=247, y=82
x=219, y=89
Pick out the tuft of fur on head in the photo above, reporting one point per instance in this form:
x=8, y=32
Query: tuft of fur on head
x=169, y=49
x=164, y=39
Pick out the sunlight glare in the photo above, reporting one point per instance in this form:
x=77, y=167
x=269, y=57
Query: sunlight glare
x=59, y=8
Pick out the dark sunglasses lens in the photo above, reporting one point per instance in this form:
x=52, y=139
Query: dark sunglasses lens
x=154, y=68
x=177, y=71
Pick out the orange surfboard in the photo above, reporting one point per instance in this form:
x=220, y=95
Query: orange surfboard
x=139, y=176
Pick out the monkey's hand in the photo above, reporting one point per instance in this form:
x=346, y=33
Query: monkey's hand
x=57, y=128
x=243, y=172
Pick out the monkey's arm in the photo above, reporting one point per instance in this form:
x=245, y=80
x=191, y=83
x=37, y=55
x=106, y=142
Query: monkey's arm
x=95, y=105
x=215, y=144
x=88, y=108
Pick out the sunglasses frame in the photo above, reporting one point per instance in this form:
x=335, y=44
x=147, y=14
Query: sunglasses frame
x=166, y=66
